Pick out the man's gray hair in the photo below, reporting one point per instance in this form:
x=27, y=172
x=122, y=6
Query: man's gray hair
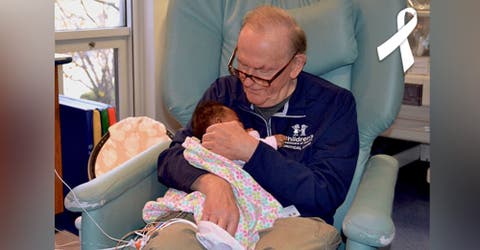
x=266, y=17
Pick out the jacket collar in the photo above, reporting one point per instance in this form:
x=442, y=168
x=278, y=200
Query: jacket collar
x=299, y=97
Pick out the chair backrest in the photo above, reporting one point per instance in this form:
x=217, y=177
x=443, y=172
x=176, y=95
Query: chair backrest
x=342, y=37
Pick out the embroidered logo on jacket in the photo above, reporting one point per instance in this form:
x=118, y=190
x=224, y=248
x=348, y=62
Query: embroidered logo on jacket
x=299, y=139
x=299, y=129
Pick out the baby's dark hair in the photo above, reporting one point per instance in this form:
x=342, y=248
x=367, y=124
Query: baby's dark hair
x=206, y=113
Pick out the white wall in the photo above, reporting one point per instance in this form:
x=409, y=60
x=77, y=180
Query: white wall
x=149, y=31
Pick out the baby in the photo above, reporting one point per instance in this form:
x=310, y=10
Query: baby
x=211, y=112
x=258, y=208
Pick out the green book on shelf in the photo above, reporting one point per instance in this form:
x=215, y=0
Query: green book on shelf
x=105, y=121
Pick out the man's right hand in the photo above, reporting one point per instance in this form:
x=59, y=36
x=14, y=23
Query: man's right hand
x=219, y=207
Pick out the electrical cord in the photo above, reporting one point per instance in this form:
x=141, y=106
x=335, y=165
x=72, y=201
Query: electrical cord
x=86, y=212
x=144, y=233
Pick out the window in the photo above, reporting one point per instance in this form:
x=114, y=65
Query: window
x=91, y=75
x=89, y=14
x=96, y=34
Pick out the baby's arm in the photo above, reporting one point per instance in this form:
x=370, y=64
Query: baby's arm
x=275, y=141
x=280, y=139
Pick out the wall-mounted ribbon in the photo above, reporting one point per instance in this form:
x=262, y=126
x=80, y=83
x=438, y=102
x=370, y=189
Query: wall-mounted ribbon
x=399, y=39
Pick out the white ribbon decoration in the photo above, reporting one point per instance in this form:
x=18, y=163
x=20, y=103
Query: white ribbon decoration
x=400, y=39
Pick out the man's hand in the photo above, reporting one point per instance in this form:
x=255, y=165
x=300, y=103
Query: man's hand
x=219, y=207
x=230, y=140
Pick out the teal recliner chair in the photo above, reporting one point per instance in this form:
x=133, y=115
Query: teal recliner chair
x=200, y=35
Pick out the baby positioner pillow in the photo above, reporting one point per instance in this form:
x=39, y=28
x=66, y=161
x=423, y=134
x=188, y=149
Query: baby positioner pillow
x=128, y=138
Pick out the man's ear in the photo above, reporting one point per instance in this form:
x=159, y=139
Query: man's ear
x=298, y=63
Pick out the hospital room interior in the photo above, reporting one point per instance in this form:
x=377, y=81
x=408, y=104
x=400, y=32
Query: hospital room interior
x=129, y=74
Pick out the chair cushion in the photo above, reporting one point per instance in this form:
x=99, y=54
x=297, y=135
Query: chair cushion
x=330, y=34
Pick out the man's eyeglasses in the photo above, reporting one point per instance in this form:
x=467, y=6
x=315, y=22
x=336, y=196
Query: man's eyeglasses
x=258, y=80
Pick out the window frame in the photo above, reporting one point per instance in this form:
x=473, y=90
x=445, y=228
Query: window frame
x=118, y=38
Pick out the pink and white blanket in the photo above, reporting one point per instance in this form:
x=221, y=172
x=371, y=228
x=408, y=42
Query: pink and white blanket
x=258, y=208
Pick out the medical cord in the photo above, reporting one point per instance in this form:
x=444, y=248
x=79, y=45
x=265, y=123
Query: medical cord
x=148, y=231
x=145, y=233
x=86, y=212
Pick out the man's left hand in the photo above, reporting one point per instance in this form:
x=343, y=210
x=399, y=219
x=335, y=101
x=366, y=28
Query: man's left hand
x=230, y=140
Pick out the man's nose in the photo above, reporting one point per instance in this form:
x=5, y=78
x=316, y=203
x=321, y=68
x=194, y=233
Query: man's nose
x=248, y=80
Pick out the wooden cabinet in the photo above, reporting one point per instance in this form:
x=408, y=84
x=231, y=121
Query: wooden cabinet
x=59, y=61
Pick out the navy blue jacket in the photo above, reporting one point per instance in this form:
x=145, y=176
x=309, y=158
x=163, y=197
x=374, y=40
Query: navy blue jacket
x=313, y=170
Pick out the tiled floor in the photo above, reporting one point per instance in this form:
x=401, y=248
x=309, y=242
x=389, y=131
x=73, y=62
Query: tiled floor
x=65, y=240
x=65, y=232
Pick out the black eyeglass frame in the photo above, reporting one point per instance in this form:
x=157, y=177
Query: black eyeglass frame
x=236, y=72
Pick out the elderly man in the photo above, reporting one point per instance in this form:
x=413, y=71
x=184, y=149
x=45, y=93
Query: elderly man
x=272, y=94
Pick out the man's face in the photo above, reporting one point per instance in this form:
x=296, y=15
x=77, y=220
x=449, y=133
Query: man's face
x=263, y=55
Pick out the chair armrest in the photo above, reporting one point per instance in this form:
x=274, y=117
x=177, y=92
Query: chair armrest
x=99, y=191
x=368, y=221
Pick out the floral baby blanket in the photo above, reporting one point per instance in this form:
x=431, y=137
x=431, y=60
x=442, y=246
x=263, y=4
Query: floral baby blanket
x=258, y=208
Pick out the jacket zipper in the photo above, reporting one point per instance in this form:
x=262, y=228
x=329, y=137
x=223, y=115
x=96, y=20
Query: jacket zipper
x=268, y=124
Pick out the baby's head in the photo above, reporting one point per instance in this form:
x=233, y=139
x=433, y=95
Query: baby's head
x=208, y=113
